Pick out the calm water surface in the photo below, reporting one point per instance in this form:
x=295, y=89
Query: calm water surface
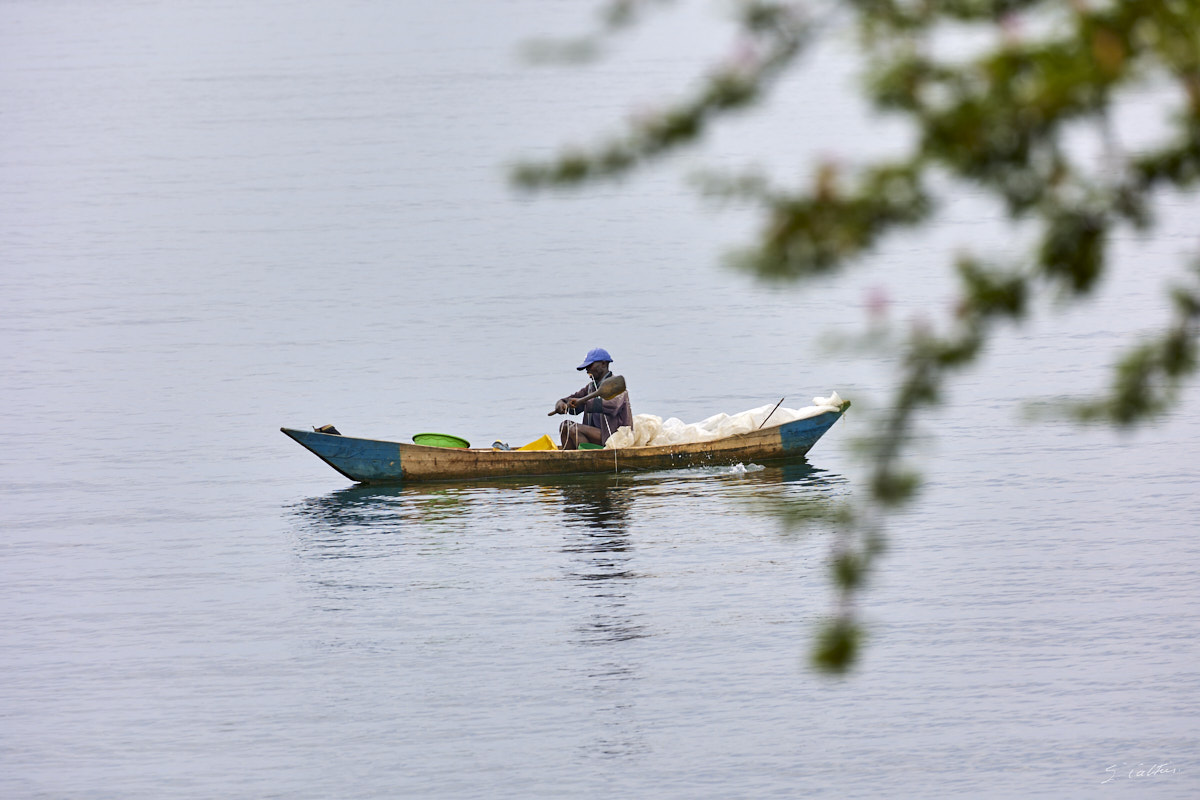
x=216, y=220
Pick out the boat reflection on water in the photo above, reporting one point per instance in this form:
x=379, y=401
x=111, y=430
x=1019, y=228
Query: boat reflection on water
x=601, y=556
x=355, y=522
x=804, y=473
x=600, y=566
x=352, y=507
x=596, y=508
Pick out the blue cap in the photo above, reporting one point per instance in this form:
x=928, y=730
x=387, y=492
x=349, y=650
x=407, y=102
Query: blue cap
x=594, y=355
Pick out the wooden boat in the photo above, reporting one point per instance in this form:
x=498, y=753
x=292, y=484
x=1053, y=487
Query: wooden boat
x=374, y=461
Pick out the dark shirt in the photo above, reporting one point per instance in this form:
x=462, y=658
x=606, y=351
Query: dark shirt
x=604, y=415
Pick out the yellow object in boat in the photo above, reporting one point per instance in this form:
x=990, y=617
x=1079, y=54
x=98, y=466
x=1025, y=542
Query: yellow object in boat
x=544, y=443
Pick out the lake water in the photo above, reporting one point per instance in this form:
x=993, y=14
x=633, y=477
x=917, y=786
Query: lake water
x=218, y=218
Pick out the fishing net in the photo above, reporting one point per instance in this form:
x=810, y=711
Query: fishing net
x=649, y=430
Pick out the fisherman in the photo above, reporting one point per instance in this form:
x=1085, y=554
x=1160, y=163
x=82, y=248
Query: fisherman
x=601, y=417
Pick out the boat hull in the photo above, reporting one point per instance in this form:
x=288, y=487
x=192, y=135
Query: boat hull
x=374, y=461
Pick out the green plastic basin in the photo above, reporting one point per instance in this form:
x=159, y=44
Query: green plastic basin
x=440, y=440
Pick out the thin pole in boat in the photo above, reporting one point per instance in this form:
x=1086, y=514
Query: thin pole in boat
x=773, y=410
